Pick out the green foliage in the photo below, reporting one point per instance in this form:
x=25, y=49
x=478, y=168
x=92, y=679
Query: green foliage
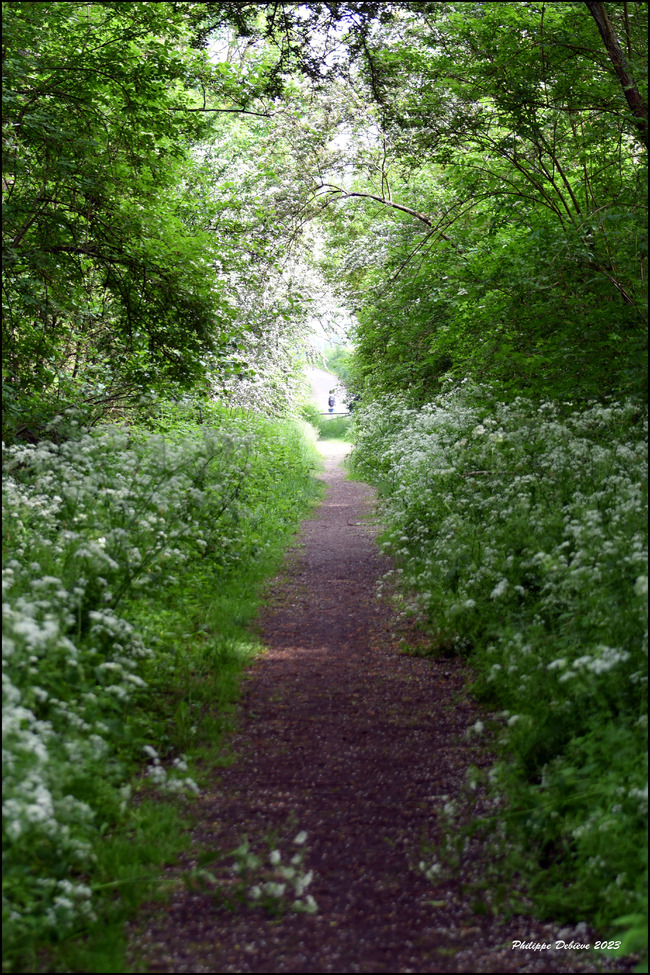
x=337, y=359
x=116, y=645
x=104, y=284
x=478, y=174
x=138, y=258
x=504, y=195
x=264, y=881
x=520, y=535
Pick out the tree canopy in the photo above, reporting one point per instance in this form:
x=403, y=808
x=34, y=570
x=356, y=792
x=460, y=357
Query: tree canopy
x=510, y=169
x=470, y=179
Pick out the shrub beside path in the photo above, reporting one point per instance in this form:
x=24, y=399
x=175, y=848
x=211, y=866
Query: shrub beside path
x=342, y=737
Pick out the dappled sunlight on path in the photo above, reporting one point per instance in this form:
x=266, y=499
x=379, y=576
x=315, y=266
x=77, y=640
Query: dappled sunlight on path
x=334, y=450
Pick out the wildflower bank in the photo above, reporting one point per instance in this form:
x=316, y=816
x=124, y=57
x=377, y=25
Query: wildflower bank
x=519, y=533
x=102, y=534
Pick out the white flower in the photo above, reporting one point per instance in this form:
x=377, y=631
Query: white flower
x=581, y=661
x=499, y=589
x=300, y=838
x=305, y=880
x=556, y=664
x=157, y=773
x=274, y=890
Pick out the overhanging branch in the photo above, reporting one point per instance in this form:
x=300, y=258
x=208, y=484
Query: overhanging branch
x=621, y=67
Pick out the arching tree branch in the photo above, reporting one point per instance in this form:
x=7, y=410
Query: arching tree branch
x=333, y=190
x=337, y=190
x=621, y=67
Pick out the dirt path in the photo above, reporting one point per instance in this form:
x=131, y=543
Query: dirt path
x=342, y=737
x=321, y=383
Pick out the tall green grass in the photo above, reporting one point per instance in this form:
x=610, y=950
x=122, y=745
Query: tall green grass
x=133, y=561
x=328, y=427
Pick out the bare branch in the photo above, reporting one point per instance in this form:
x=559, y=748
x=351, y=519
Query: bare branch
x=236, y=111
x=331, y=188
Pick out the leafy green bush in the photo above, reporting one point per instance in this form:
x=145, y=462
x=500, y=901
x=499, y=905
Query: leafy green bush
x=338, y=361
x=104, y=535
x=519, y=531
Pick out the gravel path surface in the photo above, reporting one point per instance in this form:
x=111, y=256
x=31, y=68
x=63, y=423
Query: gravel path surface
x=360, y=747
x=321, y=383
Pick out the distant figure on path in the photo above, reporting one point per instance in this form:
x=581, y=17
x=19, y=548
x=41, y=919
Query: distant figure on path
x=331, y=401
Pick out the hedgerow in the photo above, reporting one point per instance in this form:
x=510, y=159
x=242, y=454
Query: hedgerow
x=519, y=533
x=103, y=533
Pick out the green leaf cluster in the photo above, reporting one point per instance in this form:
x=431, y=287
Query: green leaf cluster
x=503, y=187
x=119, y=248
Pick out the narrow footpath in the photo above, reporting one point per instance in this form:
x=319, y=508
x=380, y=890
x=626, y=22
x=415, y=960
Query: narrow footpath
x=344, y=738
